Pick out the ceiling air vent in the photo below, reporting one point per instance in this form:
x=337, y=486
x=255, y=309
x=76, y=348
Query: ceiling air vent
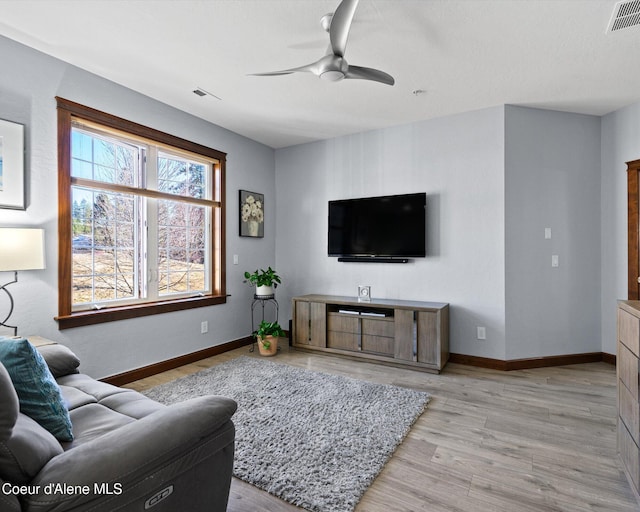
x=199, y=91
x=625, y=14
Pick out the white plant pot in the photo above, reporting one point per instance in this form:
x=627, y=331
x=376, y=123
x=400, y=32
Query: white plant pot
x=264, y=291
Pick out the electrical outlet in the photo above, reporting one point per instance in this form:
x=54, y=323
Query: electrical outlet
x=482, y=333
x=204, y=327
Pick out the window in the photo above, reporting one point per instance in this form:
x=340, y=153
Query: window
x=141, y=221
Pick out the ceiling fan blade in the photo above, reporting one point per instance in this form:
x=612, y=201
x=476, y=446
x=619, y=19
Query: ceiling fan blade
x=340, y=25
x=369, y=74
x=309, y=68
x=272, y=73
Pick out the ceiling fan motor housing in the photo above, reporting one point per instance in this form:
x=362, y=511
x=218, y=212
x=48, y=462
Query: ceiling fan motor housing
x=332, y=68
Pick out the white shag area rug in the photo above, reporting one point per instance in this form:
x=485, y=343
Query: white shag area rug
x=313, y=439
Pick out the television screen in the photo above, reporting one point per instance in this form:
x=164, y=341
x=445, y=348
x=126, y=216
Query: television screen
x=387, y=226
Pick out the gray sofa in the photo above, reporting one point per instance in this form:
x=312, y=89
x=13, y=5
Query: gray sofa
x=128, y=453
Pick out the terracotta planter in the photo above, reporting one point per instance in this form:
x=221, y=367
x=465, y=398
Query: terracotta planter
x=273, y=347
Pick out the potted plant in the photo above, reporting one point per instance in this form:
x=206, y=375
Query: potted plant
x=267, y=337
x=264, y=280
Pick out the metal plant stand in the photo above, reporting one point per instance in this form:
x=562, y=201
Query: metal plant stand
x=262, y=300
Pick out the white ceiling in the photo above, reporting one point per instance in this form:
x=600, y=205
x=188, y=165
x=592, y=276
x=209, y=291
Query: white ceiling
x=464, y=55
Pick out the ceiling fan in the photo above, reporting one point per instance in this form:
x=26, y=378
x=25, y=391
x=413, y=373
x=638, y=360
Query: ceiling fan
x=333, y=66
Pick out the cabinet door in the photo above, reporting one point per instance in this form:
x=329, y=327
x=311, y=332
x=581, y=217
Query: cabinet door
x=318, y=324
x=428, y=347
x=310, y=323
x=301, y=319
x=404, y=330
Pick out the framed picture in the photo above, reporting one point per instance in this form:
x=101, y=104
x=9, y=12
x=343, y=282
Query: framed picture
x=251, y=214
x=11, y=165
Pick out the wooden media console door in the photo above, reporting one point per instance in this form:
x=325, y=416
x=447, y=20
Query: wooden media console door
x=411, y=334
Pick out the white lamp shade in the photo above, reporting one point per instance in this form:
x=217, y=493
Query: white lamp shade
x=21, y=249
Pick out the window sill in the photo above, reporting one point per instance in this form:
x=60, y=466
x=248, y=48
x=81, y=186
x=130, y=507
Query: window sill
x=91, y=317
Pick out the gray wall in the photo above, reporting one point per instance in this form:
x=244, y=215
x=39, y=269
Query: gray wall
x=552, y=180
x=620, y=144
x=29, y=83
x=495, y=179
x=459, y=162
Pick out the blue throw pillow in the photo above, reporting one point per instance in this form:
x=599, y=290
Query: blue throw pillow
x=38, y=392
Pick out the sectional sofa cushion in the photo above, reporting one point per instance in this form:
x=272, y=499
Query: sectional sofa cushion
x=97, y=408
x=38, y=392
x=25, y=447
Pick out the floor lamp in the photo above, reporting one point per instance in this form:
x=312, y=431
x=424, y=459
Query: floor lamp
x=20, y=249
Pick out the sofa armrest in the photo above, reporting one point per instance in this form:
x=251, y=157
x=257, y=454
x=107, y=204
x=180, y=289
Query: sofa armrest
x=59, y=358
x=121, y=459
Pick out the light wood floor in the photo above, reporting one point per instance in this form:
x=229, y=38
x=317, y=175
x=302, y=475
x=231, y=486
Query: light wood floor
x=530, y=440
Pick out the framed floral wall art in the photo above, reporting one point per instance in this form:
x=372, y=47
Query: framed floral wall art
x=11, y=165
x=251, y=214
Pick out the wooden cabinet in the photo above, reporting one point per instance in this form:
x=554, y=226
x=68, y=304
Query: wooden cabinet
x=309, y=325
x=628, y=372
x=403, y=333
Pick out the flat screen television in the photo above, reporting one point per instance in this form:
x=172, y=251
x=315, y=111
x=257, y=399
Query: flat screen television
x=385, y=227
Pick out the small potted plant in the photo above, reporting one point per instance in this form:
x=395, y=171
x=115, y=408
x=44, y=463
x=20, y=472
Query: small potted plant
x=267, y=337
x=264, y=280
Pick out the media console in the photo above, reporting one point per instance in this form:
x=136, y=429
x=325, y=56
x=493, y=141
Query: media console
x=410, y=334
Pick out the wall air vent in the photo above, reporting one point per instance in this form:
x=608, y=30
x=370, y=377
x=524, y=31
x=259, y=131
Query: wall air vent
x=626, y=14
